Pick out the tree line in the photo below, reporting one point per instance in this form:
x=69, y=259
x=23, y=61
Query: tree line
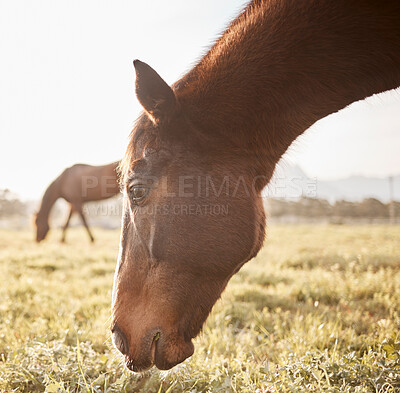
x=312, y=207
x=11, y=206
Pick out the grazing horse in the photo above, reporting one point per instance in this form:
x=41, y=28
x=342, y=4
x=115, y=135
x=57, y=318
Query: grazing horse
x=213, y=140
x=78, y=184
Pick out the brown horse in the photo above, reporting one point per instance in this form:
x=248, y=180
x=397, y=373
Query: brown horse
x=78, y=184
x=213, y=140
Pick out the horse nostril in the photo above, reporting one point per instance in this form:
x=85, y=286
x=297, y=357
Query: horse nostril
x=119, y=340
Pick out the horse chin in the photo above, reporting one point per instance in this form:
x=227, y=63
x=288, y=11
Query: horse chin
x=171, y=351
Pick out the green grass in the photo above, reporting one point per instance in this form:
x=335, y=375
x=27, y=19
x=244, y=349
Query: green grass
x=317, y=310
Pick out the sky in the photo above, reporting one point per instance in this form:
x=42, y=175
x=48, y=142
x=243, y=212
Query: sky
x=67, y=89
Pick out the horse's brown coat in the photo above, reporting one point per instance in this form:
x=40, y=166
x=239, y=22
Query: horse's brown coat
x=78, y=184
x=279, y=67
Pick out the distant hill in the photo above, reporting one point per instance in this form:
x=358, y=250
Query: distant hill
x=291, y=182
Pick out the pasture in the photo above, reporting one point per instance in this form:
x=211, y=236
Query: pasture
x=317, y=310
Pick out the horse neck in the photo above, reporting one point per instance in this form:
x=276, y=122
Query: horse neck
x=283, y=65
x=50, y=196
x=111, y=173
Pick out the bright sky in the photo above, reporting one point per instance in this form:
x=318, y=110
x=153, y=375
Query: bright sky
x=67, y=88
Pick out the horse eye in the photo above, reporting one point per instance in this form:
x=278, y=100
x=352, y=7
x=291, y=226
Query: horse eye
x=138, y=193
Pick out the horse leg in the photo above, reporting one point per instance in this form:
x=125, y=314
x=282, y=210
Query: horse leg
x=71, y=211
x=80, y=211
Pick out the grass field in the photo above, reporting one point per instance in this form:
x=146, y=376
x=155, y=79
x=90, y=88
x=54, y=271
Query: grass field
x=317, y=310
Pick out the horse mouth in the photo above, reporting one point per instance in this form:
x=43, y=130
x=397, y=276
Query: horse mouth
x=161, y=353
x=148, y=363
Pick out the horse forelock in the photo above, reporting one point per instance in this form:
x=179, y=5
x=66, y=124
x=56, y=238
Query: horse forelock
x=140, y=139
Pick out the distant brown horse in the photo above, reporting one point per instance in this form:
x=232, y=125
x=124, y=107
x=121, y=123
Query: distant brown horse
x=203, y=150
x=78, y=184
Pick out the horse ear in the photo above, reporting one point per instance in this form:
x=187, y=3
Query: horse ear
x=156, y=97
